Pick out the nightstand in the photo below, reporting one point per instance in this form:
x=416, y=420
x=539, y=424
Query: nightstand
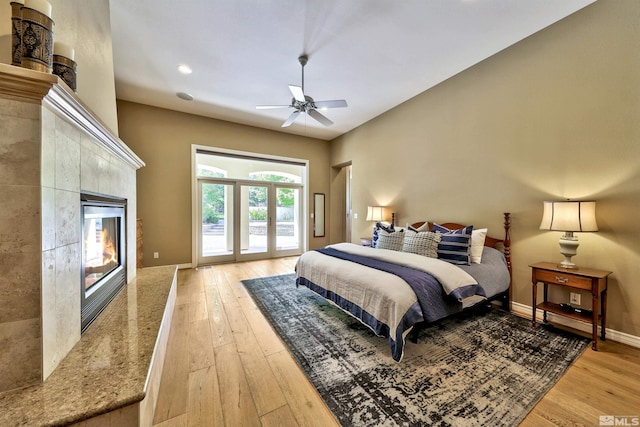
x=365, y=241
x=588, y=279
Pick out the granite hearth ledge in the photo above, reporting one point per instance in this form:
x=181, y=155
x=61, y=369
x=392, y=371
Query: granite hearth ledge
x=112, y=376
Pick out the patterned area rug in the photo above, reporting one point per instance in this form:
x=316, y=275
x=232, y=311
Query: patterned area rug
x=476, y=369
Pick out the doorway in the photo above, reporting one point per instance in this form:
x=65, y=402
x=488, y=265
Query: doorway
x=341, y=206
x=247, y=208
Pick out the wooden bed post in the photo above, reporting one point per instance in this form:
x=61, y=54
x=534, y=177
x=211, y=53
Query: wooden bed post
x=506, y=303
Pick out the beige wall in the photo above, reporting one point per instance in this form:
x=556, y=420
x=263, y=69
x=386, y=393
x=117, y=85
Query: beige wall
x=85, y=26
x=163, y=139
x=555, y=116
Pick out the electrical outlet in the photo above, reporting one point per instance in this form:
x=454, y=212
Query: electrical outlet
x=156, y=255
x=574, y=298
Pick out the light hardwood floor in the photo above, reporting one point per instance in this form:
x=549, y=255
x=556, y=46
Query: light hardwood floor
x=226, y=367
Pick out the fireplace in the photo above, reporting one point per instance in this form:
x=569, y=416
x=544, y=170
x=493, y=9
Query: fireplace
x=104, y=254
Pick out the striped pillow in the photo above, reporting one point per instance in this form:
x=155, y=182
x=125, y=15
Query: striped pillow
x=424, y=243
x=454, y=244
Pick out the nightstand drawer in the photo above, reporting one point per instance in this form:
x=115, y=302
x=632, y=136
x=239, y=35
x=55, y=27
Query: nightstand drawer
x=563, y=279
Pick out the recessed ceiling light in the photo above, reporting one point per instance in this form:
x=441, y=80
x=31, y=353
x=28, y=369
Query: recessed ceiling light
x=184, y=95
x=184, y=69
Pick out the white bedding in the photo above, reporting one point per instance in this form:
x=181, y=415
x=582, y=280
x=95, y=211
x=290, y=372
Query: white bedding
x=383, y=295
x=450, y=276
x=364, y=292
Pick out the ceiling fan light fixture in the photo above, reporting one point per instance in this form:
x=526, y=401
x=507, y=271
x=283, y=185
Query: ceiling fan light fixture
x=302, y=103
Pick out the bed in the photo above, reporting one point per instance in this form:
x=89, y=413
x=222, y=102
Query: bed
x=392, y=291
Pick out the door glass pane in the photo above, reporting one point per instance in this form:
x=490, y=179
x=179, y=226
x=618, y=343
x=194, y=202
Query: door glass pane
x=254, y=219
x=287, y=218
x=217, y=219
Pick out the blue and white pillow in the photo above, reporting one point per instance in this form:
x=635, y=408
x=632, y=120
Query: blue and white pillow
x=380, y=226
x=454, y=246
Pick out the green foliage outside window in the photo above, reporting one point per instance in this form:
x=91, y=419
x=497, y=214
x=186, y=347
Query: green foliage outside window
x=258, y=197
x=213, y=197
x=258, y=214
x=212, y=203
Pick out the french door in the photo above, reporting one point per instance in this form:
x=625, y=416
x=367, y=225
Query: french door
x=246, y=220
x=216, y=225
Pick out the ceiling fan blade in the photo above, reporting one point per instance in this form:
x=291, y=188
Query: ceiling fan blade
x=291, y=119
x=334, y=103
x=297, y=93
x=319, y=117
x=269, y=107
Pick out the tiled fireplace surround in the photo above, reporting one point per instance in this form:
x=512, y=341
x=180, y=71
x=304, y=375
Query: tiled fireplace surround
x=51, y=149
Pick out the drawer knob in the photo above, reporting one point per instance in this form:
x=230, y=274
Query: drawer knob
x=562, y=279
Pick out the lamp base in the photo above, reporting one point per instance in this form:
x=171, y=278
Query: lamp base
x=568, y=265
x=568, y=247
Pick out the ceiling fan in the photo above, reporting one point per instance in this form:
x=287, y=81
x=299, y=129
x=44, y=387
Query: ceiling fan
x=305, y=104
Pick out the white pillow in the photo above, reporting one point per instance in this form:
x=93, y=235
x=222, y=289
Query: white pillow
x=477, y=244
x=423, y=227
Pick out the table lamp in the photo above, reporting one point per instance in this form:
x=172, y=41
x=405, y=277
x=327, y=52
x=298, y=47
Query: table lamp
x=569, y=217
x=375, y=213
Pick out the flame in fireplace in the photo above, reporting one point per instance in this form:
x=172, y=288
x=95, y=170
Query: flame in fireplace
x=109, y=254
x=101, y=251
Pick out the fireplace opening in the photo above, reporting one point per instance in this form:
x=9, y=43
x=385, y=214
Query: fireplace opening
x=103, y=253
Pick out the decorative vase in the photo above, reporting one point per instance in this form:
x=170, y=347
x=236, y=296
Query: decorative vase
x=16, y=33
x=65, y=68
x=37, y=40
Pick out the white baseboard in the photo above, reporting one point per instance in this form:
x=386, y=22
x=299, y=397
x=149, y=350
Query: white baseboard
x=180, y=266
x=621, y=337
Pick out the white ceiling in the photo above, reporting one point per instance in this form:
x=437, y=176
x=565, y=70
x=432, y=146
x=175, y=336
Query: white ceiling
x=376, y=54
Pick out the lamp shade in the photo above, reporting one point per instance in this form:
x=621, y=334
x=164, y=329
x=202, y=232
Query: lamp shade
x=569, y=216
x=374, y=213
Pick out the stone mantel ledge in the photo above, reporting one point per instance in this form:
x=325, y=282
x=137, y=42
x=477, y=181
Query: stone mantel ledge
x=35, y=86
x=109, y=368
